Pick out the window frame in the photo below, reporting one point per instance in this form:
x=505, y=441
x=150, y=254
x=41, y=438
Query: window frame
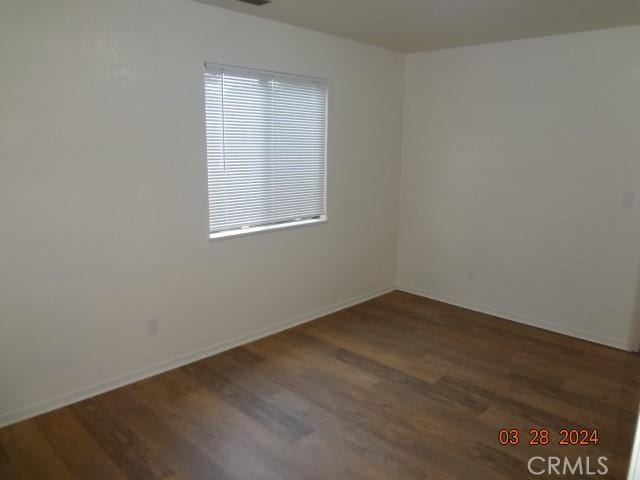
x=250, y=230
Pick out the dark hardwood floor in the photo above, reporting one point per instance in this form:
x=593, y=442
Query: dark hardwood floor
x=398, y=388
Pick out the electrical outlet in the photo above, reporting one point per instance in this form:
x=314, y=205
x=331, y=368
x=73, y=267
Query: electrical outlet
x=153, y=327
x=628, y=199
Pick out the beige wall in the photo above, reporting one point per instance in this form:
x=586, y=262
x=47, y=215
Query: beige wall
x=516, y=157
x=103, y=217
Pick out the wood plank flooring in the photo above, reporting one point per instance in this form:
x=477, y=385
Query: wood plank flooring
x=399, y=387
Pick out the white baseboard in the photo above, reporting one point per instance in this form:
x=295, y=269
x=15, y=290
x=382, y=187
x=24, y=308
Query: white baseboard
x=84, y=393
x=519, y=318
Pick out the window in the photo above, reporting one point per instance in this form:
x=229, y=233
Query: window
x=266, y=149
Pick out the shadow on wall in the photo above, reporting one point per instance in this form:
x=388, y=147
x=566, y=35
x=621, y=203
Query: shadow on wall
x=634, y=335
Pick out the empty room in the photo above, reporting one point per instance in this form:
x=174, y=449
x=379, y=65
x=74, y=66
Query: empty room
x=319, y=239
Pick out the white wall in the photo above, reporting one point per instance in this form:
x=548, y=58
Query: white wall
x=634, y=464
x=103, y=207
x=515, y=160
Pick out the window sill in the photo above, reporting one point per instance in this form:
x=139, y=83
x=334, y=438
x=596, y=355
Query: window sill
x=267, y=228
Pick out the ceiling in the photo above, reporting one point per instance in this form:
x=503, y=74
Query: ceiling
x=421, y=25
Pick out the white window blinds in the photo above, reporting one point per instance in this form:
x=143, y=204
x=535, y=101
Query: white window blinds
x=266, y=149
